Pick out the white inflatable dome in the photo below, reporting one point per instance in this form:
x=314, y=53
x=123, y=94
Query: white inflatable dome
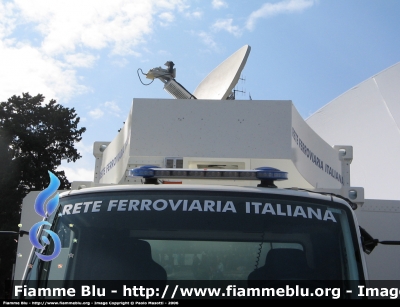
x=368, y=118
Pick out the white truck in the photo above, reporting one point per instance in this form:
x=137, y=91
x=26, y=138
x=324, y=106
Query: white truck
x=208, y=190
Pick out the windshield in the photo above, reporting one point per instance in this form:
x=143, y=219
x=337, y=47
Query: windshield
x=201, y=235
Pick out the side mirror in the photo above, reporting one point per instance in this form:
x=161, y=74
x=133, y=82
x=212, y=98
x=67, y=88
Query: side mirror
x=369, y=243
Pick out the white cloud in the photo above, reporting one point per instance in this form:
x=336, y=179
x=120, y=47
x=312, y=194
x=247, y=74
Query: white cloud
x=112, y=108
x=196, y=14
x=217, y=4
x=121, y=62
x=7, y=18
x=26, y=69
x=166, y=18
x=226, y=24
x=96, y=113
x=66, y=35
x=66, y=25
x=272, y=9
x=164, y=52
x=83, y=149
x=208, y=40
x=77, y=173
x=80, y=59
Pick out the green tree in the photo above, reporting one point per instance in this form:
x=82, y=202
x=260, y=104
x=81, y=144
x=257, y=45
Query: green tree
x=34, y=139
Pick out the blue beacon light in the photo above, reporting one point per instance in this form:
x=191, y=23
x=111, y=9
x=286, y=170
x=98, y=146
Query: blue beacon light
x=152, y=173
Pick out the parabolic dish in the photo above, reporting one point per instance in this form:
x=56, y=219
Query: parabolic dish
x=220, y=82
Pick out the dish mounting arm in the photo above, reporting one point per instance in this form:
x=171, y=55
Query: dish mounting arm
x=167, y=76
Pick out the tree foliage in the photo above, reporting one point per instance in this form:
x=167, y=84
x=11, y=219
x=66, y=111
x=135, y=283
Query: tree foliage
x=34, y=139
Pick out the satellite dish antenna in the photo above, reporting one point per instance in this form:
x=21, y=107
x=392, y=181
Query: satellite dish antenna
x=221, y=81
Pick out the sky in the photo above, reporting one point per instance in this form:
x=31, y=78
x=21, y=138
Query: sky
x=86, y=53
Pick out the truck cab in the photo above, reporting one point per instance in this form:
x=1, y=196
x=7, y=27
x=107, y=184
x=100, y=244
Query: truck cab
x=173, y=233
